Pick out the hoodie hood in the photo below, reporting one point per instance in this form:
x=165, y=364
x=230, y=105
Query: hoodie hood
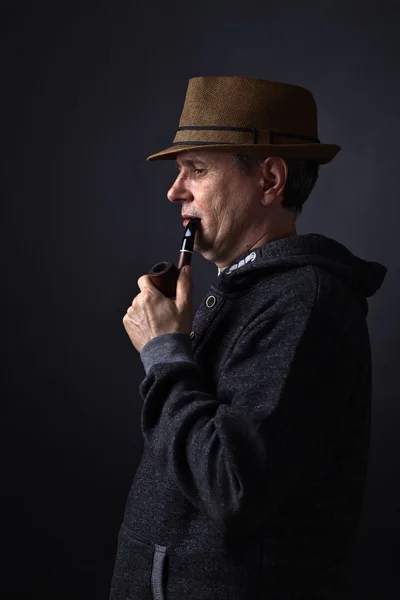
x=362, y=276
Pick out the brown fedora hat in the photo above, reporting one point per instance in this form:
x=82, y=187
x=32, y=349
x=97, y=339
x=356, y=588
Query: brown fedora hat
x=243, y=115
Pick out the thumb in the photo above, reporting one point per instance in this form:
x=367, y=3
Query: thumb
x=184, y=286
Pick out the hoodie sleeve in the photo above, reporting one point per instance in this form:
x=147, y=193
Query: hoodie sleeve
x=237, y=454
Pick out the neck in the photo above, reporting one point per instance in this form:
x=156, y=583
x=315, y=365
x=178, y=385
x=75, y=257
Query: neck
x=266, y=238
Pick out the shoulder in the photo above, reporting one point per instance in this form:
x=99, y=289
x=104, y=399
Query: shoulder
x=306, y=290
x=287, y=290
x=315, y=288
x=336, y=299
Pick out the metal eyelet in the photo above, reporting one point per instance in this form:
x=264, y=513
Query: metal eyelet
x=211, y=301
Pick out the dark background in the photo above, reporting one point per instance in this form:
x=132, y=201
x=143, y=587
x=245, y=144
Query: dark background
x=89, y=92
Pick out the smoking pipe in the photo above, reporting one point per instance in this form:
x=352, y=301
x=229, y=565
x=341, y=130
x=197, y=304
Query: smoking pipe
x=164, y=275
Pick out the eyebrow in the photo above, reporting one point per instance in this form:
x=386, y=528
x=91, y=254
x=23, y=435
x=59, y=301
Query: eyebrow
x=189, y=162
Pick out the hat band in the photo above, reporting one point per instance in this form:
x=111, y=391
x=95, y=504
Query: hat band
x=237, y=136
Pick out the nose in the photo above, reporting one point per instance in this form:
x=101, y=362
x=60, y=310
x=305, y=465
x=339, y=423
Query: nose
x=179, y=192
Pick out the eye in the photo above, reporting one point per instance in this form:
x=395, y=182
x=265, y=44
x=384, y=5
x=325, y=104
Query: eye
x=199, y=171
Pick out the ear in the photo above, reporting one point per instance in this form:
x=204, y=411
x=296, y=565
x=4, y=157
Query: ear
x=275, y=175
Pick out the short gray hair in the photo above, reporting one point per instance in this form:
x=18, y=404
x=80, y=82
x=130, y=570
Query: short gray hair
x=301, y=178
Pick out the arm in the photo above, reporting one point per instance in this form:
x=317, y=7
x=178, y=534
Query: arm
x=237, y=456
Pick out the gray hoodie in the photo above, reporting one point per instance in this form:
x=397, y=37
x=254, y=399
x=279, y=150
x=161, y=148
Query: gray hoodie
x=256, y=433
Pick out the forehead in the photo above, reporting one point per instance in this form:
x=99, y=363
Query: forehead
x=200, y=156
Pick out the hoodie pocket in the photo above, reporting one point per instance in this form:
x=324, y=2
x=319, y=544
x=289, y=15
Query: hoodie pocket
x=139, y=568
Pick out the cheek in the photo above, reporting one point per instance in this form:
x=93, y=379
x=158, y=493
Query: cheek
x=219, y=201
x=207, y=200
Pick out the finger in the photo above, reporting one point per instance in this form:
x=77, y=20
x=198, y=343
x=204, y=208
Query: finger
x=184, y=287
x=144, y=282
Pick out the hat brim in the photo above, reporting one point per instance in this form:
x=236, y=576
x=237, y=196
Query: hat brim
x=319, y=153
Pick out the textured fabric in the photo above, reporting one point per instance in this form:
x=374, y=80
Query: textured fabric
x=256, y=433
x=248, y=115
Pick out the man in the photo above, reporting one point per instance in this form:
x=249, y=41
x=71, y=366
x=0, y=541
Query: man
x=256, y=425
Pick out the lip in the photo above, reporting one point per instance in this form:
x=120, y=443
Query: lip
x=187, y=219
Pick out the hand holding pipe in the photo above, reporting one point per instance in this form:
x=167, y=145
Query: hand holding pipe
x=164, y=275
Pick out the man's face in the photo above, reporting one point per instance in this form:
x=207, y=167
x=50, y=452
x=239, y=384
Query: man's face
x=211, y=186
